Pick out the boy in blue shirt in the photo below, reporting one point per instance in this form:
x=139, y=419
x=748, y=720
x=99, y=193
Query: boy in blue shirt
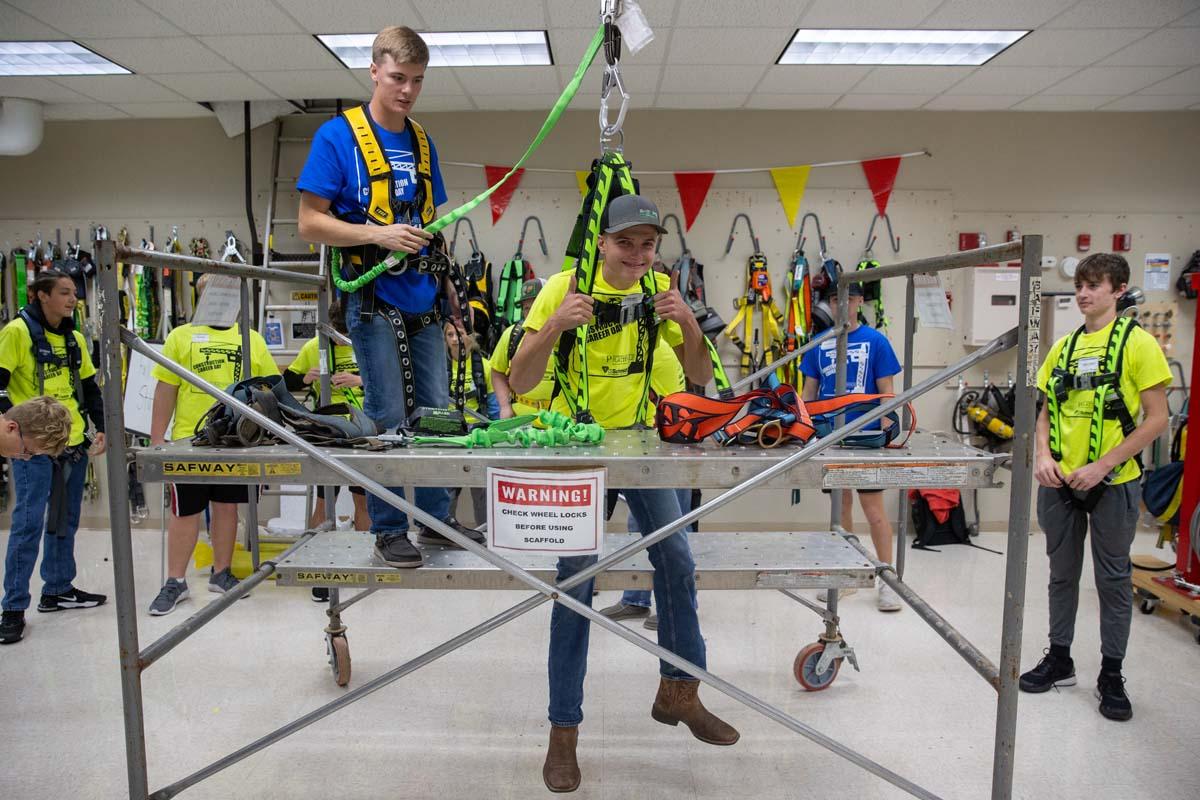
x=871, y=365
x=370, y=185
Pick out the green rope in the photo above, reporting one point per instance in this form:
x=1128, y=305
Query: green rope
x=564, y=100
x=560, y=431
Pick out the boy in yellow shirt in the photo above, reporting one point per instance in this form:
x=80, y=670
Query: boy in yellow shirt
x=1096, y=381
x=536, y=399
x=214, y=354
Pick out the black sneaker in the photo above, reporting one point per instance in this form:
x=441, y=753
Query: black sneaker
x=430, y=536
x=12, y=627
x=72, y=598
x=396, y=551
x=1051, y=671
x=1110, y=691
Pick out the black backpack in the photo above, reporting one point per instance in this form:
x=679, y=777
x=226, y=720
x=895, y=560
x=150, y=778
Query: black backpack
x=928, y=532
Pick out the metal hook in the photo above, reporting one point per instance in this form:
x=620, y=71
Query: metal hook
x=893, y=239
x=610, y=81
x=470, y=228
x=678, y=230
x=733, y=229
x=800, y=235
x=541, y=235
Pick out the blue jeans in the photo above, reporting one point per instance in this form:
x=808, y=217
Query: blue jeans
x=641, y=597
x=32, y=481
x=383, y=397
x=674, y=587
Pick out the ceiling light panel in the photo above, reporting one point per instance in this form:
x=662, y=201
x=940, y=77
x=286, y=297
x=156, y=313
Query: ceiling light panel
x=896, y=47
x=454, y=49
x=54, y=58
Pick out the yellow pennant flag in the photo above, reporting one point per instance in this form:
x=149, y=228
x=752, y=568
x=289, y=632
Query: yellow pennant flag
x=581, y=179
x=790, y=183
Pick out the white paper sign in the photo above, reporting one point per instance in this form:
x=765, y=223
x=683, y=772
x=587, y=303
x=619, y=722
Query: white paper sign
x=220, y=302
x=932, y=306
x=139, y=393
x=1158, y=272
x=546, y=512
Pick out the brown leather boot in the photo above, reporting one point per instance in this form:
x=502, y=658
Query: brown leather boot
x=678, y=701
x=561, y=770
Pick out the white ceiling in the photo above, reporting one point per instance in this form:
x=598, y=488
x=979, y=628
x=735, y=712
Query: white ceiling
x=1083, y=55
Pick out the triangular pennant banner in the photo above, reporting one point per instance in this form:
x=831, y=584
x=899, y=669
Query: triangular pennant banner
x=581, y=177
x=693, y=188
x=881, y=177
x=501, y=197
x=790, y=183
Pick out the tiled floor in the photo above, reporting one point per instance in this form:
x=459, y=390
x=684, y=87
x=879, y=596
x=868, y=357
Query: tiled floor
x=472, y=725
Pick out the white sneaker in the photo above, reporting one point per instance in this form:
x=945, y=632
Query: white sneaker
x=823, y=594
x=887, y=600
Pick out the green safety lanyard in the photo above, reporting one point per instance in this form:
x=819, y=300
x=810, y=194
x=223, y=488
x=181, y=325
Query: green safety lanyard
x=559, y=431
x=564, y=100
x=880, y=317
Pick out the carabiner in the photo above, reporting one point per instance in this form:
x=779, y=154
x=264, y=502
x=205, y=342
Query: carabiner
x=610, y=81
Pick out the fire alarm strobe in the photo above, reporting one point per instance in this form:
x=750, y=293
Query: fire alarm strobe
x=1083, y=242
x=1122, y=242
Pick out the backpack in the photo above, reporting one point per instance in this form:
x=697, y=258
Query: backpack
x=928, y=532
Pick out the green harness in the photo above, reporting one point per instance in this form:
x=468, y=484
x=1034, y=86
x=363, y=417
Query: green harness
x=560, y=431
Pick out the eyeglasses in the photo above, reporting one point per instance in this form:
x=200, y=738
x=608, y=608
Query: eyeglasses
x=25, y=451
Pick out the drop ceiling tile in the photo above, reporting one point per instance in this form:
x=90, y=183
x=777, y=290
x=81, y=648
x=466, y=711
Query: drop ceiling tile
x=1010, y=80
x=226, y=16
x=1122, y=13
x=852, y=13
x=727, y=45
x=639, y=81
x=708, y=14
x=1111, y=80
x=36, y=88
x=509, y=80
x=575, y=13
x=70, y=111
x=515, y=102
x=309, y=84
x=164, y=110
x=700, y=101
x=270, y=53
x=209, y=86
x=360, y=16
x=160, y=55
x=460, y=102
x=1146, y=102
x=911, y=80
x=1005, y=15
x=118, y=88
x=484, y=15
x=892, y=102
x=972, y=102
x=791, y=101
x=1065, y=102
x=1067, y=48
x=1187, y=82
x=1169, y=47
x=98, y=19
x=1190, y=21
x=716, y=79
x=568, y=45
x=17, y=25
x=811, y=79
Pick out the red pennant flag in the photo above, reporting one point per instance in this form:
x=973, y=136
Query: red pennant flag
x=501, y=197
x=881, y=177
x=693, y=188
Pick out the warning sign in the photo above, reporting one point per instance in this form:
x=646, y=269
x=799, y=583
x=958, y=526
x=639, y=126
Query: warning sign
x=541, y=512
x=304, y=297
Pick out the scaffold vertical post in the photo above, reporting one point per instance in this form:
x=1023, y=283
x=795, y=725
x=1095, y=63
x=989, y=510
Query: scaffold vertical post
x=1023, y=453
x=910, y=334
x=247, y=371
x=111, y=364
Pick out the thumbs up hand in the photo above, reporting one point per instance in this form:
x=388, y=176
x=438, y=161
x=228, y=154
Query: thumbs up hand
x=669, y=305
x=576, y=309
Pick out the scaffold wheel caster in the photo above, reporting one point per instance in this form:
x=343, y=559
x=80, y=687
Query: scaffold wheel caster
x=339, y=658
x=1148, y=604
x=805, y=668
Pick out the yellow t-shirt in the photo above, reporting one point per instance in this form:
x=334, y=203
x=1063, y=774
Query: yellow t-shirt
x=343, y=361
x=615, y=376
x=216, y=356
x=469, y=381
x=1144, y=367
x=535, y=400
x=16, y=356
x=666, y=376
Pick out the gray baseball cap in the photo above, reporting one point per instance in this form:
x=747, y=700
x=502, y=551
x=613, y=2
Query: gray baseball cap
x=628, y=211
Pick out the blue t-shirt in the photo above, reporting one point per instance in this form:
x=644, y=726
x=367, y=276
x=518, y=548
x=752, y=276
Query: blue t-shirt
x=334, y=170
x=869, y=357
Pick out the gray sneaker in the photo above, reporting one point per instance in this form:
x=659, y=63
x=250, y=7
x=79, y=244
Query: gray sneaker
x=396, y=550
x=619, y=611
x=223, y=581
x=651, y=622
x=169, y=596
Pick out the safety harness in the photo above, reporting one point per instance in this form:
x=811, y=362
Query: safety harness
x=798, y=302
x=43, y=352
x=759, y=345
x=1107, y=401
